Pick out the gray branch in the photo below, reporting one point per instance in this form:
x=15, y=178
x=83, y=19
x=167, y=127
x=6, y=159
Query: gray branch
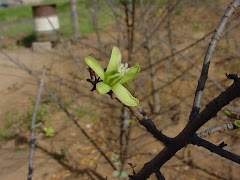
x=220, y=128
x=31, y=72
x=219, y=86
x=95, y=21
x=74, y=19
x=206, y=63
x=181, y=50
x=33, y=122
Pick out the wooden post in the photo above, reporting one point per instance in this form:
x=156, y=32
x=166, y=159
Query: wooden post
x=74, y=19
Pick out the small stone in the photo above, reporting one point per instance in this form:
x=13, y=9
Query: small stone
x=88, y=125
x=42, y=46
x=73, y=134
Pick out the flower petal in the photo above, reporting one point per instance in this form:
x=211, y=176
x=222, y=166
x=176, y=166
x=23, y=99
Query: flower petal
x=132, y=72
x=124, y=95
x=102, y=88
x=237, y=123
x=114, y=81
x=115, y=60
x=95, y=66
x=129, y=85
x=111, y=77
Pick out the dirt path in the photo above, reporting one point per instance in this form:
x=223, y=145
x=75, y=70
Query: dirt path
x=14, y=163
x=16, y=88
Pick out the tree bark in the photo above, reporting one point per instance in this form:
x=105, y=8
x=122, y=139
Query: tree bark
x=74, y=19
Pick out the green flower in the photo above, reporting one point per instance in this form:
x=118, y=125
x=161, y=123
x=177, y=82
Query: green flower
x=115, y=76
x=230, y=114
x=237, y=123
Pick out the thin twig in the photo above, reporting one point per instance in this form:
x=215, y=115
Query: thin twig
x=220, y=128
x=157, y=25
x=181, y=50
x=159, y=175
x=95, y=21
x=71, y=116
x=206, y=63
x=216, y=149
x=125, y=130
x=219, y=86
x=132, y=29
x=33, y=122
x=145, y=121
x=156, y=99
x=185, y=137
x=74, y=19
x=140, y=114
x=33, y=73
x=118, y=23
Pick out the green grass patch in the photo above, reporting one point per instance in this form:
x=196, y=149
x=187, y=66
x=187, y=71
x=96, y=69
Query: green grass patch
x=15, y=13
x=9, y=128
x=43, y=114
x=18, y=21
x=17, y=29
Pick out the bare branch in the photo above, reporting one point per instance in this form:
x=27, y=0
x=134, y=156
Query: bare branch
x=159, y=175
x=33, y=122
x=71, y=116
x=220, y=128
x=185, y=137
x=216, y=149
x=156, y=99
x=206, y=63
x=219, y=86
x=158, y=25
x=181, y=50
x=74, y=19
x=33, y=73
x=145, y=121
x=124, y=136
x=212, y=108
x=95, y=21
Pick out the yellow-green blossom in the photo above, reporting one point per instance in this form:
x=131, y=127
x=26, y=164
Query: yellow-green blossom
x=115, y=75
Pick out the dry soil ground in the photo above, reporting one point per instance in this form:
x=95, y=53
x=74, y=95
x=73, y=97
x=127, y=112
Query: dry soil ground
x=17, y=87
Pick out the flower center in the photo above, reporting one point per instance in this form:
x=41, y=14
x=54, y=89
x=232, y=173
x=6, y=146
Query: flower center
x=123, y=68
x=114, y=78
